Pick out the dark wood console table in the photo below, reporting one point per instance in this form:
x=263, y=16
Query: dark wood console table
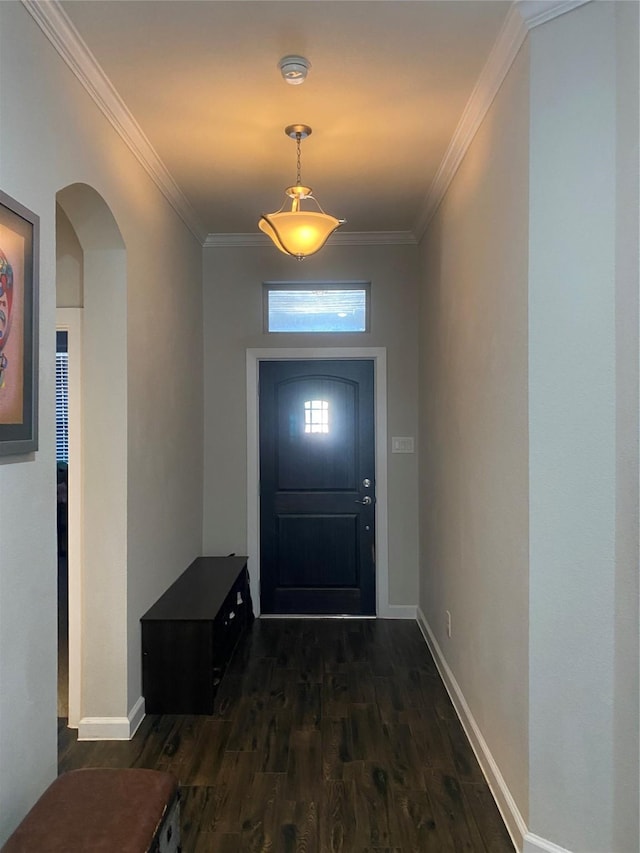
x=189, y=635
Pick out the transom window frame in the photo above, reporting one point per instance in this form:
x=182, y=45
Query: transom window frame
x=311, y=286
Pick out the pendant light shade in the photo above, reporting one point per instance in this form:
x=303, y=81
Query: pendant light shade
x=298, y=232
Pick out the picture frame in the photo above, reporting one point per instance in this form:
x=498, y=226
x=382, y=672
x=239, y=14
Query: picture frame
x=19, y=282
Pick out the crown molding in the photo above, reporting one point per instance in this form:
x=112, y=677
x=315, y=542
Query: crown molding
x=374, y=238
x=59, y=29
x=230, y=241
x=347, y=238
x=536, y=12
x=522, y=17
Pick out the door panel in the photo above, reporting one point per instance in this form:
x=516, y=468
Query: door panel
x=316, y=451
x=324, y=544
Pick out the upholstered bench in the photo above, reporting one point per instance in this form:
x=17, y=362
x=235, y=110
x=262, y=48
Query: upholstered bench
x=103, y=811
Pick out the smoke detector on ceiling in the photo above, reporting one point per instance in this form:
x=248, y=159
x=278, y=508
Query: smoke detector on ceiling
x=294, y=69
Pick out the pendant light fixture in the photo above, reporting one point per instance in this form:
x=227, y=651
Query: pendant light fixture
x=298, y=232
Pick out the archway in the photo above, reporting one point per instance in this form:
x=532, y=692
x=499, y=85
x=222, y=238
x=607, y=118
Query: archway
x=98, y=474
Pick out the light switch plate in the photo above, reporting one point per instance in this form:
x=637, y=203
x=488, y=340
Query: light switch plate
x=402, y=444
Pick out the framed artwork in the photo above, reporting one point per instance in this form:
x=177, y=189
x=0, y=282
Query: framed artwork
x=19, y=253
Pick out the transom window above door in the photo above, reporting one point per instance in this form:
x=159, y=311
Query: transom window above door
x=315, y=308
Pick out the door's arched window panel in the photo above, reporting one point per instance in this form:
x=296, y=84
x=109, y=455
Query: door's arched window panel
x=316, y=416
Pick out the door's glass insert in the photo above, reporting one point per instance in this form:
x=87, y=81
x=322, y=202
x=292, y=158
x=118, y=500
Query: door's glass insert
x=305, y=309
x=316, y=416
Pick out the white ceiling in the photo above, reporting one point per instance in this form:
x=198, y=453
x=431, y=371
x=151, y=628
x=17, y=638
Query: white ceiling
x=388, y=85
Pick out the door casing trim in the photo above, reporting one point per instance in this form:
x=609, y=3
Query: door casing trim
x=379, y=357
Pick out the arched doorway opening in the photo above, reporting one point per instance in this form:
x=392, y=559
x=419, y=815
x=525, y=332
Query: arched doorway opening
x=91, y=298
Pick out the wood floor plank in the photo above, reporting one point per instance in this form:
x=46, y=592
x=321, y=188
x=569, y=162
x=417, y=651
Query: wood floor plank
x=276, y=741
x=374, y=806
x=435, y=697
x=334, y=650
x=256, y=678
x=259, y=813
x=298, y=827
x=337, y=747
x=417, y=688
x=406, y=769
x=455, y=825
x=328, y=736
x=228, y=697
x=217, y=842
x=380, y=655
x=197, y=812
x=304, y=771
x=355, y=642
x=388, y=699
x=234, y=780
x=248, y=726
x=281, y=692
x=430, y=739
x=488, y=819
x=466, y=764
x=417, y=824
x=76, y=757
x=153, y=741
x=179, y=747
x=335, y=694
x=337, y=824
x=366, y=733
x=288, y=644
x=204, y=765
x=311, y=664
x=307, y=709
x=382, y=850
x=360, y=680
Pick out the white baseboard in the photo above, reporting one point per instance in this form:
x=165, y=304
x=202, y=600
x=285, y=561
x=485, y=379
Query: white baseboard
x=136, y=716
x=535, y=844
x=523, y=840
x=112, y=728
x=399, y=611
x=506, y=804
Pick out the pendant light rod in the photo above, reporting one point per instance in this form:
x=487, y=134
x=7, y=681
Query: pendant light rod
x=298, y=132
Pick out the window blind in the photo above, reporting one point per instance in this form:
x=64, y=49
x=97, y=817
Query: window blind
x=62, y=407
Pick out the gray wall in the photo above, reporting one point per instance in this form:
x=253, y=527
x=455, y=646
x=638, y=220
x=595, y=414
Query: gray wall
x=473, y=423
x=69, y=264
x=627, y=593
x=233, y=322
x=52, y=136
x=583, y=429
x=529, y=423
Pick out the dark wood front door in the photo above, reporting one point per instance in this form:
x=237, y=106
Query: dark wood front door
x=317, y=487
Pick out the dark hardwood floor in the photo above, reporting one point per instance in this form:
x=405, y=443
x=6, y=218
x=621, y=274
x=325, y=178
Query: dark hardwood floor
x=328, y=735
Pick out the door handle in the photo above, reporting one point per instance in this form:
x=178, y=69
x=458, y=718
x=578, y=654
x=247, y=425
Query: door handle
x=366, y=500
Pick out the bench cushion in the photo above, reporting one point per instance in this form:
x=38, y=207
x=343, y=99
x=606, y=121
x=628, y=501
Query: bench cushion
x=96, y=810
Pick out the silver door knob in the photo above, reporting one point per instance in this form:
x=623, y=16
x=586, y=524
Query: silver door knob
x=366, y=500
